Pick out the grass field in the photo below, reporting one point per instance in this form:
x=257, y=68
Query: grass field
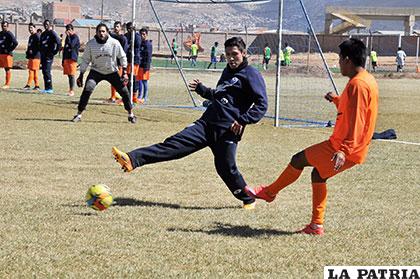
x=177, y=219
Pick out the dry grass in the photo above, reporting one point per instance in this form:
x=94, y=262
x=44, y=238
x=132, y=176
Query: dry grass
x=177, y=219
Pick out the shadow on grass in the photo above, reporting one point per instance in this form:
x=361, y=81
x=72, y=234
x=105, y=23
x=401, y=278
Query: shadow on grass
x=231, y=230
x=135, y=202
x=64, y=120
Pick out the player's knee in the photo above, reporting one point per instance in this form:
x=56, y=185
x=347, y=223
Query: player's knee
x=298, y=160
x=90, y=85
x=316, y=177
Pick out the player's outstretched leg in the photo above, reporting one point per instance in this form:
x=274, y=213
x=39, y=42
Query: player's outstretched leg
x=290, y=174
x=123, y=159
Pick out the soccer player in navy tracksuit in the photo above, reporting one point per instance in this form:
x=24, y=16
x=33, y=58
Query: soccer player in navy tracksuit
x=137, y=40
x=239, y=99
x=143, y=75
x=50, y=45
x=70, y=57
x=7, y=44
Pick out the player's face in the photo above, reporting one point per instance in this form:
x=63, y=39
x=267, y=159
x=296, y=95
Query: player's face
x=101, y=33
x=234, y=56
x=344, y=63
x=47, y=25
x=5, y=27
x=117, y=29
x=143, y=36
x=31, y=30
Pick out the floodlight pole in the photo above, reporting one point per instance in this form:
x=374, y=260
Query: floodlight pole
x=133, y=42
x=278, y=74
x=319, y=47
x=172, y=52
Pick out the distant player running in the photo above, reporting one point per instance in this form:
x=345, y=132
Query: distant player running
x=8, y=43
x=239, y=99
x=348, y=145
x=102, y=53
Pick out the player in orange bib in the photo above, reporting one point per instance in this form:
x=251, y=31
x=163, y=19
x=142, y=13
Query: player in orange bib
x=7, y=44
x=357, y=109
x=70, y=57
x=34, y=57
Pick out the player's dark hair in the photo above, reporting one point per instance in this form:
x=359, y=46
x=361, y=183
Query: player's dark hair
x=45, y=21
x=399, y=48
x=129, y=25
x=236, y=41
x=144, y=30
x=69, y=26
x=355, y=50
x=102, y=25
x=116, y=23
x=4, y=22
x=31, y=24
x=39, y=30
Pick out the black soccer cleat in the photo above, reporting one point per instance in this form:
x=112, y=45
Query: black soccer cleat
x=132, y=119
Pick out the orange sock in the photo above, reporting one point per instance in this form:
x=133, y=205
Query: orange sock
x=287, y=177
x=113, y=93
x=319, y=202
x=30, y=77
x=8, y=77
x=36, y=78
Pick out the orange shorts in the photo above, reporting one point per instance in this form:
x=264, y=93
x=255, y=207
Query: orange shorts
x=34, y=64
x=136, y=69
x=143, y=74
x=6, y=61
x=319, y=156
x=69, y=67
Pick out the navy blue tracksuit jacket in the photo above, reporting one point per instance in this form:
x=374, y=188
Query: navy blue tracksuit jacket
x=146, y=50
x=8, y=42
x=71, y=48
x=33, y=50
x=240, y=96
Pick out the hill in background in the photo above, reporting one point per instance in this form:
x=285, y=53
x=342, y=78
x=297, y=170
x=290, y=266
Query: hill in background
x=228, y=16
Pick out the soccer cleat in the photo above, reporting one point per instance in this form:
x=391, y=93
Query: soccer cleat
x=5, y=86
x=123, y=159
x=249, y=206
x=77, y=118
x=309, y=229
x=47, y=91
x=132, y=119
x=35, y=88
x=259, y=192
x=27, y=87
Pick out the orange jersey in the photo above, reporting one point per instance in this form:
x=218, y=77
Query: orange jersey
x=356, y=117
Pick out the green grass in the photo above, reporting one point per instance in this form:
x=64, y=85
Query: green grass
x=177, y=219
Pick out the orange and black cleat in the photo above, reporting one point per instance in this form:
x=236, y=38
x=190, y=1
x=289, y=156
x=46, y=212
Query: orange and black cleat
x=123, y=159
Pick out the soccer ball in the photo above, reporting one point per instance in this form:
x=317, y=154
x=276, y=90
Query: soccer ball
x=99, y=197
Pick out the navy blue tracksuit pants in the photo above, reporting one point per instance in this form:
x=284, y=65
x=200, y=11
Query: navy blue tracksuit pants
x=46, y=65
x=222, y=142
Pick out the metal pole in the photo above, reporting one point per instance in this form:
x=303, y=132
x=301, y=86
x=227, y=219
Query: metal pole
x=417, y=54
x=309, y=52
x=182, y=45
x=278, y=73
x=133, y=41
x=172, y=52
x=319, y=46
x=368, y=56
x=102, y=10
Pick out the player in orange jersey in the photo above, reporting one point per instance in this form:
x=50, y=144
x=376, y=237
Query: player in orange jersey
x=357, y=109
x=7, y=44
